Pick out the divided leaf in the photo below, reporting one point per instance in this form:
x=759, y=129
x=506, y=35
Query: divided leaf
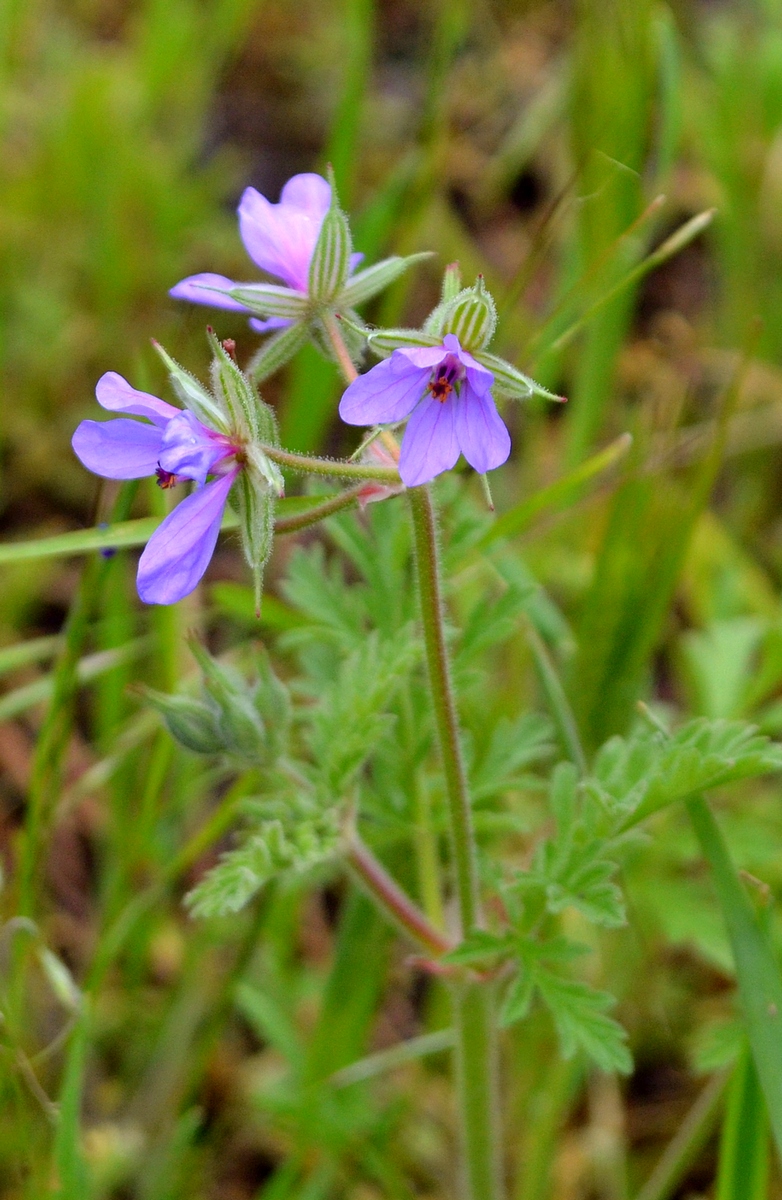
x=634, y=777
x=272, y=849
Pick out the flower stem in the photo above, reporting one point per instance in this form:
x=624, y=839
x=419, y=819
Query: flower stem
x=476, y=1053
x=318, y=512
x=307, y=464
x=427, y=562
x=389, y=897
x=341, y=353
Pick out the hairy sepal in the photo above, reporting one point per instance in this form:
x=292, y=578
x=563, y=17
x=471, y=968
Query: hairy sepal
x=383, y=342
x=372, y=280
x=330, y=263
x=471, y=316
x=255, y=506
x=190, y=722
x=269, y=300
x=511, y=383
x=235, y=393
x=193, y=394
x=277, y=351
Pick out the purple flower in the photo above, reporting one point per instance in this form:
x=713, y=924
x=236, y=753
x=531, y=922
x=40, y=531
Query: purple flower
x=280, y=239
x=446, y=394
x=175, y=446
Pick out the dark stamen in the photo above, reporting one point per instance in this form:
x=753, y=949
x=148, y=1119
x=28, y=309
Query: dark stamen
x=441, y=388
x=165, y=479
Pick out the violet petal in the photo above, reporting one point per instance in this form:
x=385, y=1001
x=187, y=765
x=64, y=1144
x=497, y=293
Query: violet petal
x=120, y=449
x=114, y=393
x=483, y=439
x=269, y=323
x=387, y=393
x=423, y=356
x=280, y=238
x=429, y=445
x=190, y=449
x=309, y=192
x=207, y=289
x=180, y=549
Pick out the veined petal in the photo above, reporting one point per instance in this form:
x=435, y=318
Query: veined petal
x=479, y=377
x=190, y=449
x=120, y=449
x=429, y=446
x=483, y=439
x=114, y=393
x=207, y=289
x=180, y=549
x=280, y=238
x=384, y=394
x=309, y=192
x=269, y=324
x=423, y=356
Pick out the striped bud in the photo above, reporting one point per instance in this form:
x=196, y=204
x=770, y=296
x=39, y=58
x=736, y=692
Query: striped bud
x=471, y=316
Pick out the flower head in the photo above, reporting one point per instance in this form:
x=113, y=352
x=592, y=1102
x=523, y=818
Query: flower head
x=446, y=394
x=304, y=242
x=176, y=446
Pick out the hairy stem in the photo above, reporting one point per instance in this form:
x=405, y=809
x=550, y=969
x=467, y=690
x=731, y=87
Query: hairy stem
x=438, y=663
x=307, y=464
x=346, y=364
x=319, y=512
x=474, y=1005
x=390, y=898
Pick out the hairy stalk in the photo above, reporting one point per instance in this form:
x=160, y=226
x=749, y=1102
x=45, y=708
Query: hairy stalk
x=474, y=1002
x=341, y=352
x=312, y=516
x=308, y=464
x=392, y=900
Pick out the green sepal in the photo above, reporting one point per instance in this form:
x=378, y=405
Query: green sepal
x=383, y=342
x=452, y=283
x=235, y=393
x=241, y=728
x=330, y=262
x=268, y=300
x=190, y=722
x=193, y=394
x=277, y=351
x=471, y=316
x=367, y=283
x=255, y=506
x=510, y=382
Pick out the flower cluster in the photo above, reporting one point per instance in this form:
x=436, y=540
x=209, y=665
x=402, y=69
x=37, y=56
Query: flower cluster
x=439, y=381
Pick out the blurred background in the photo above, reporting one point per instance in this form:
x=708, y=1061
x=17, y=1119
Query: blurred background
x=531, y=142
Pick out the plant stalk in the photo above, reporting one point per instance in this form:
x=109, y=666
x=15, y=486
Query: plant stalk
x=392, y=900
x=474, y=1011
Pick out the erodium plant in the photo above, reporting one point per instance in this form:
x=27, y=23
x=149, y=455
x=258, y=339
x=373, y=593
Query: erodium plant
x=496, y=931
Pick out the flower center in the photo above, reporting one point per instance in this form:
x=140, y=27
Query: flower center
x=444, y=381
x=165, y=479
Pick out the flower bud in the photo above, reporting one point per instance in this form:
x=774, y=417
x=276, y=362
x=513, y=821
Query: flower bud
x=189, y=721
x=239, y=724
x=471, y=315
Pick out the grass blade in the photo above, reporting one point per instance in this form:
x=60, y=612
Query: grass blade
x=743, y=1165
x=757, y=969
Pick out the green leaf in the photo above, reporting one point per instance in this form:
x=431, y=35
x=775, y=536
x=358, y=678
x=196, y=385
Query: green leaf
x=270, y=851
x=572, y=869
x=514, y=745
x=367, y=283
x=518, y=999
x=352, y=715
x=480, y=946
x=582, y=1023
x=635, y=777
